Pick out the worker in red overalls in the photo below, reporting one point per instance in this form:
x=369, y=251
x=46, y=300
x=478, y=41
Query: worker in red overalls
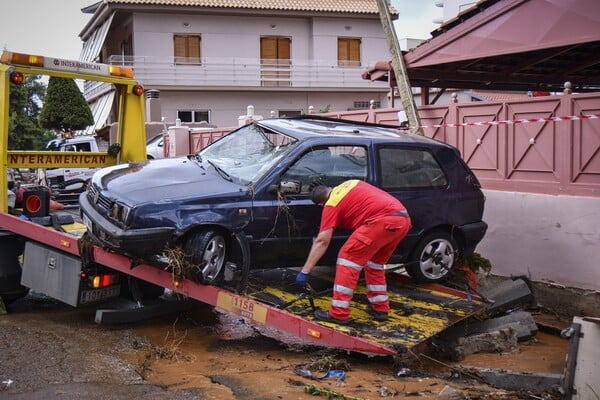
x=378, y=222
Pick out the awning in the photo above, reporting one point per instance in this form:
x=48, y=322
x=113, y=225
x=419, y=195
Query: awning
x=93, y=44
x=100, y=110
x=379, y=72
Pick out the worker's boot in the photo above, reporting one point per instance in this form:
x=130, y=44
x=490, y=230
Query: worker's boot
x=323, y=315
x=379, y=315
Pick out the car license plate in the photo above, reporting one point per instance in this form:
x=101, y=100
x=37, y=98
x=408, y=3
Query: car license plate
x=94, y=295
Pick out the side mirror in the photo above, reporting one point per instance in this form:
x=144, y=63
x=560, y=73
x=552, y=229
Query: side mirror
x=285, y=187
x=290, y=187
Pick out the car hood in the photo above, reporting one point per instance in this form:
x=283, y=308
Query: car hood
x=171, y=179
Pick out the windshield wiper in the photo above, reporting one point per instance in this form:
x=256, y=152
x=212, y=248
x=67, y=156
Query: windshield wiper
x=220, y=170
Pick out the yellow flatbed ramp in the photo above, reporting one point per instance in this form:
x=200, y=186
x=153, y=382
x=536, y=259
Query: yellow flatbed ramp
x=417, y=313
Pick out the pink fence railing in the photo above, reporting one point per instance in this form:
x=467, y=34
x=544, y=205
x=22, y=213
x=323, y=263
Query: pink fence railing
x=545, y=154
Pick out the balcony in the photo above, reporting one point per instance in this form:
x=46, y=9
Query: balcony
x=246, y=73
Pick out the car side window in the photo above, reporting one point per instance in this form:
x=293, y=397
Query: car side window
x=410, y=169
x=328, y=166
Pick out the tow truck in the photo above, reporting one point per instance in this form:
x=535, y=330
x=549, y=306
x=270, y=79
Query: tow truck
x=48, y=253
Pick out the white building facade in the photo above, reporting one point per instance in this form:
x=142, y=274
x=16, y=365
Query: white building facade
x=210, y=59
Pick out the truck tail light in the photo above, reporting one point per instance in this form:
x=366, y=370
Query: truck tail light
x=100, y=281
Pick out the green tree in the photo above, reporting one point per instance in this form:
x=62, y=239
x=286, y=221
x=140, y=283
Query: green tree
x=65, y=108
x=24, y=108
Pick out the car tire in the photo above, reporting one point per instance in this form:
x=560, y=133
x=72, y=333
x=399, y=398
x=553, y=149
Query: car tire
x=207, y=251
x=433, y=257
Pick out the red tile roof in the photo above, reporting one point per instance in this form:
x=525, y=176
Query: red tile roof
x=343, y=6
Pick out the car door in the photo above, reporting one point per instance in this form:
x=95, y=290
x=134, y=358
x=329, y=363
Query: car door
x=295, y=219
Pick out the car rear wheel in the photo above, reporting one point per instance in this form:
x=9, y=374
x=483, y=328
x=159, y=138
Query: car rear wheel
x=433, y=257
x=206, y=252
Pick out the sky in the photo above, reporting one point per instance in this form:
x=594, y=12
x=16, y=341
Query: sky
x=52, y=27
x=415, y=18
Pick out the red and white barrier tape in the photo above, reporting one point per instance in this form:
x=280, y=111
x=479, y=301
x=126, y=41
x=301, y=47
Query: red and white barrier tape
x=512, y=121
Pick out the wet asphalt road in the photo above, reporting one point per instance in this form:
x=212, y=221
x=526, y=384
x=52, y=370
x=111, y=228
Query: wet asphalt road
x=49, y=350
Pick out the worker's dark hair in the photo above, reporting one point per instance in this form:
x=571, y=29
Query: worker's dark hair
x=319, y=194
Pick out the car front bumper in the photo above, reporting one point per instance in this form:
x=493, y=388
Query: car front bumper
x=138, y=242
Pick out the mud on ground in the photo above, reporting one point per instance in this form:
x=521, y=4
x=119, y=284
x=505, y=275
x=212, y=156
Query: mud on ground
x=50, y=350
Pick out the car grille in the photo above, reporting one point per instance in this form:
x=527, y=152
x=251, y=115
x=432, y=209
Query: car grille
x=55, y=180
x=95, y=197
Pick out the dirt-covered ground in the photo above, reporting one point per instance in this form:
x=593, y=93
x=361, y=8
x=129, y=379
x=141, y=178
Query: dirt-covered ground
x=52, y=351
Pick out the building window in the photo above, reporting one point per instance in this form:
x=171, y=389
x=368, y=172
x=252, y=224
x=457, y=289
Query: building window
x=187, y=49
x=193, y=115
x=410, y=169
x=328, y=166
x=348, y=52
x=361, y=105
x=275, y=53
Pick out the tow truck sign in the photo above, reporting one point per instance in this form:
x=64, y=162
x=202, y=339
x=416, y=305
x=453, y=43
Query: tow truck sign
x=44, y=159
x=73, y=65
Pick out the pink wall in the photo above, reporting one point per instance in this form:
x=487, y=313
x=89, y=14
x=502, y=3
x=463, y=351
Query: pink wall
x=553, y=157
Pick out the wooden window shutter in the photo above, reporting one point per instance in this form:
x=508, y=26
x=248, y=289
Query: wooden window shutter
x=349, y=52
x=187, y=49
x=268, y=48
x=275, y=48
x=179, y=42
x=193, y=47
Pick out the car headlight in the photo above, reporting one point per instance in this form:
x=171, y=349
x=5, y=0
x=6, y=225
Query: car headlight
x=121, y=213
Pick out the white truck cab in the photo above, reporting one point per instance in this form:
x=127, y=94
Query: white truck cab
x=56, y=177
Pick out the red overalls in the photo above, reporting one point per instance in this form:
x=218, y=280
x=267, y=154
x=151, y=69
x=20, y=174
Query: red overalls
x=379, y=222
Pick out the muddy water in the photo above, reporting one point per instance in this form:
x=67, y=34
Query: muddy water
x=544, y=353
x=49, y=350
x=223, y=358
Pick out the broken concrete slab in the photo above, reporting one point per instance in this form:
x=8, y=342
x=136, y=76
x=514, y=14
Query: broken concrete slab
x=513, y=380
x=506, y=295
x=499, y=335
x=521, y=321
x=499, y=341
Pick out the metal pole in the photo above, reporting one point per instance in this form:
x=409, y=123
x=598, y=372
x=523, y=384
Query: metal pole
x=406, y=97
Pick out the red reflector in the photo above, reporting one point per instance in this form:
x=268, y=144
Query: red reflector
x=17, y=78
x=138, y=90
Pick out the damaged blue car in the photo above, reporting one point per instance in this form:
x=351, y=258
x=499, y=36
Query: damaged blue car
x=243, y=202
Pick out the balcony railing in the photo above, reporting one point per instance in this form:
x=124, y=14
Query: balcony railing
x=246, y=73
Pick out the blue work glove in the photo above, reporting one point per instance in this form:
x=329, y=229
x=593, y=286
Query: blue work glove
x=302, y=279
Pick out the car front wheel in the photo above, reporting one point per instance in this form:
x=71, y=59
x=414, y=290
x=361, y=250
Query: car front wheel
x=206, y=252
x=433, y=258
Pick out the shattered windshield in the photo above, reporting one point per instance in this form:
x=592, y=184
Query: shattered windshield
x=245, y=155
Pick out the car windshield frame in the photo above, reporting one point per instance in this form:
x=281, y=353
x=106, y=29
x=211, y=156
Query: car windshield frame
x=247, y=154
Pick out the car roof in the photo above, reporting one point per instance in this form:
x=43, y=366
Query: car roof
x=311, y=126
x=154, y=139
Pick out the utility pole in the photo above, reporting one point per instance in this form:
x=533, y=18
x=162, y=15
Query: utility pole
x=404, y=88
